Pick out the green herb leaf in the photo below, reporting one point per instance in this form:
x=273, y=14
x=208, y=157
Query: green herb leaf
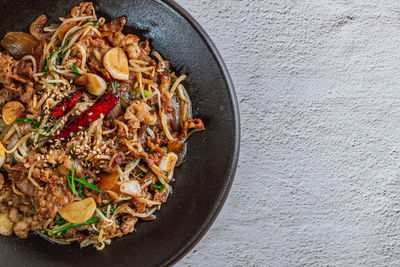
x=35, y=123
x=75, y=69
x=159, y=186
x=72, y=225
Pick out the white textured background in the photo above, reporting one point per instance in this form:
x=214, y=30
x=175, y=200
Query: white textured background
x=318, y=84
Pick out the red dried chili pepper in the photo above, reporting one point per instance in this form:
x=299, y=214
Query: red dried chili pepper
x=103, y=106
x=66, y=105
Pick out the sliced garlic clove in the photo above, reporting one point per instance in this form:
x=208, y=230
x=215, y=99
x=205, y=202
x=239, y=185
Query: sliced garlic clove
x=116, y=63
x=79, y=211
x=93, y=83
x=12, y=111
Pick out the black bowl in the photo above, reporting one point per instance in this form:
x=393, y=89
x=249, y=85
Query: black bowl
x=202, y=182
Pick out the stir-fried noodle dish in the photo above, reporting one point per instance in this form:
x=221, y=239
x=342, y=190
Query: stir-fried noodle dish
x=93, y=124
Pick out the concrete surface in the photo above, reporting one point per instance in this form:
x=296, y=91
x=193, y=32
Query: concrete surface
x=318, y=182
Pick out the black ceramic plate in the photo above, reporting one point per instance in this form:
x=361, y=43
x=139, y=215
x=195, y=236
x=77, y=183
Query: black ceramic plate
x=202, y=182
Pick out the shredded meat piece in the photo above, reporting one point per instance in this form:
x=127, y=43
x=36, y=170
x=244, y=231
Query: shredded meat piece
x=164, y=90
x=24, y=70
x=120, y=128
x=115, y=25
x=29, y=91
x=144, y=51
x=97, y=49
x=140, y=111
x=129, y=43
x=50, y=198
x=6, y=65
x=13, y=214
x=140, y=206
x=128, y=225
x=161, y=196
x=22, y=227
x=84, y=9
x=192, y=124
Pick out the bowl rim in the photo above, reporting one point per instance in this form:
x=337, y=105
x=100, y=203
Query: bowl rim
x=221, y=64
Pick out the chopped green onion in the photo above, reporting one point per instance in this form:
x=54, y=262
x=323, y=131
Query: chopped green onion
x=115, y=85
x=81, y=191
x=167, y=149
x=36, y=207
x=35, y=123
x=113, y=209
x=39, y=151
x=146, y=93
x=159, y=186
x=29, y=142
x=72, y=178
x=73, y=225
x=152, y=149
x=76, y=70
x=152, y=127
x=166, y=173
x=14, y=161
x=52, y=54
x=60, y=221
x=89, y=185
x=142, y=161
x=167, y=70
x=106, y=204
